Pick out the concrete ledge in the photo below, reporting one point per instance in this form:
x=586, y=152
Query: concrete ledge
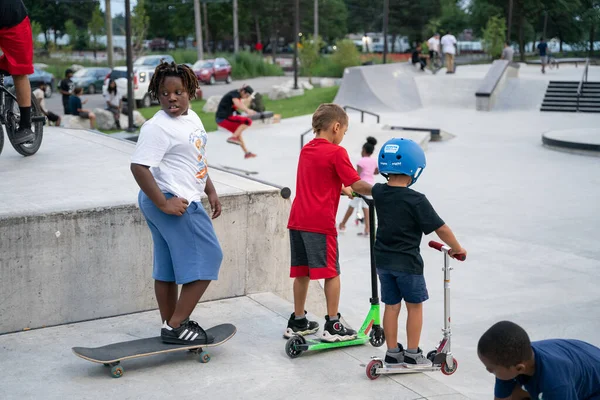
x=580, y=141
x=74, y=245
x=493, y=83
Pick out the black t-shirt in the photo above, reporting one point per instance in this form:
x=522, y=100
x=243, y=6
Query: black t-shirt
x=225, y=108
x=416, y=57
x=12, y=12
x=67, y=85
x=403, y=216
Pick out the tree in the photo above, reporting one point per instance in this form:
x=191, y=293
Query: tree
x=139, y=25
x=309, y=54
x=119, y=24
x=346, y=55
x=96, y=27
x=494, y=36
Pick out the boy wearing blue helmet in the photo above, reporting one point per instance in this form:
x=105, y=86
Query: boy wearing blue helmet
x=403, y=216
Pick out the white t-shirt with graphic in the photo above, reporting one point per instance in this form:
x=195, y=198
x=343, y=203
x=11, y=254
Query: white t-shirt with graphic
x=175, y=151
x=448, y=42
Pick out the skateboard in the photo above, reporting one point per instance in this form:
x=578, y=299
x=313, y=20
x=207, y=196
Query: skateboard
x=111, y=355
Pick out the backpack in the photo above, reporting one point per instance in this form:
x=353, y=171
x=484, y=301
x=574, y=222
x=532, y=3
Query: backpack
x=257, y=103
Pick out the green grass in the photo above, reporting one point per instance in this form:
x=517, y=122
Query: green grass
x=293, y=107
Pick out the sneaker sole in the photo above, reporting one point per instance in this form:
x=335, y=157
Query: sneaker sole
x=185, y=342
x=289, y=332
x=234, y=142
x=337, y=338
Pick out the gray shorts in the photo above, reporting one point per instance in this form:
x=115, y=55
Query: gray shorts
x=84, y=114
x=314, y=255
x=544, y=59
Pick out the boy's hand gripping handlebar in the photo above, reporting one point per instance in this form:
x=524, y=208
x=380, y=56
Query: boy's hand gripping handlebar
x=442, y=247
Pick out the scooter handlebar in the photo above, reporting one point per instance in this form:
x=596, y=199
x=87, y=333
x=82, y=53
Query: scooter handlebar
x=442, y=247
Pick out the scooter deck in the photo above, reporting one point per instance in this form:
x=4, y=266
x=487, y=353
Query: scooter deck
x=405, y=369
x=315, y=344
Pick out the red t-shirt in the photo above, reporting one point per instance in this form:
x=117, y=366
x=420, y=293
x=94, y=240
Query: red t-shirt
x=322, y=169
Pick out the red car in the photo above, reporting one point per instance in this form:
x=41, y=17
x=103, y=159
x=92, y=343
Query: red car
x=211, y=71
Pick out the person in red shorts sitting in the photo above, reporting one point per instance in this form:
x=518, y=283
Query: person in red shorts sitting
x=235, y=124
x=16, y=42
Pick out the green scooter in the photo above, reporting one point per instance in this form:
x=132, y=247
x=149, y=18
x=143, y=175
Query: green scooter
x=371, y=329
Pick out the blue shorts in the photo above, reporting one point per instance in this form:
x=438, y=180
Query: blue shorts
x=397, y=286
x=186, y=248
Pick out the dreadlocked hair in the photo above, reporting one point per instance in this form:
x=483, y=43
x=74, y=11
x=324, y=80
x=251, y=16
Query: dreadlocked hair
x=164, y=69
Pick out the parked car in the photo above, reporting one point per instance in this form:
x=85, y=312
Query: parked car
x=151, y=62
x=211, y=71
x=90, y=79
x=143, y=70
x=35, y=80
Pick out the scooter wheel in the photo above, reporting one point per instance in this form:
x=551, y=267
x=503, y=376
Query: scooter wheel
x=372, y=369
x=447, y=370
x=292, y=346
x=376, y=337
x=431, y=355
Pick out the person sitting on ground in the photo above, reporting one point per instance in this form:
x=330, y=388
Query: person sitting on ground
x=508, y=52
x=114, y=101
x=236, y=124
x=418, y=58
x=16, y=43
x=39, y=95
x=552, y=369
x=75, y=107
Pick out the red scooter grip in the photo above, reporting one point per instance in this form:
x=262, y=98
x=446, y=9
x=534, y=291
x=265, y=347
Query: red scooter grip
x=438, y=246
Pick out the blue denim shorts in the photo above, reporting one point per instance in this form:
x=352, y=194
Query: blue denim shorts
x=397, y=286
x=186, y=248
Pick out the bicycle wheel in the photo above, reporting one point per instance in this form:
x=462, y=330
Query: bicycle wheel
x=37, y=124
x=1, y=138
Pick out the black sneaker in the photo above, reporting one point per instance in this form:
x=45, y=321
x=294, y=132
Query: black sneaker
x=301, y=326
x=23, y=135
x=189, y=332
x=395, y=358
x=335, y=331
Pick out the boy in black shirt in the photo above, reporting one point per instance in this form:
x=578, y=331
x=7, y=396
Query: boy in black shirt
x=403, y=216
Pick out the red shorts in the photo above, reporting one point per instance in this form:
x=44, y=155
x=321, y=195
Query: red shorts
x=233, y=122
x=17, y=45
x=314, y=255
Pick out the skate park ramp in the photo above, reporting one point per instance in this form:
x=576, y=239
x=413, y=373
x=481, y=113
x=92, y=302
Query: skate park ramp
x=401, y=87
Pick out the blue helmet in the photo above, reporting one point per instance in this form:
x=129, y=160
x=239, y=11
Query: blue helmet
x=401, y=156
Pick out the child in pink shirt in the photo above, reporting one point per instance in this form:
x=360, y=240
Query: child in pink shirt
x=367, y=169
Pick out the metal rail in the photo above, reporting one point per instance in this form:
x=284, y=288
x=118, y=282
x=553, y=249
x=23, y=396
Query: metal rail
x=302, y=137
x=584, y=78
x=284, y=191
x=362, y=113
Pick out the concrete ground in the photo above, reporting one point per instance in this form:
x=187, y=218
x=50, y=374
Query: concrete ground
x=526, y=214
x=252, y=365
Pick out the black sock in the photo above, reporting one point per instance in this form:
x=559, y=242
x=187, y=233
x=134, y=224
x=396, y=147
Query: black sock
x=25, y=117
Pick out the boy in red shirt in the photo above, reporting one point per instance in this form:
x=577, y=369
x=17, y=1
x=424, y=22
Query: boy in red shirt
x=324, y=170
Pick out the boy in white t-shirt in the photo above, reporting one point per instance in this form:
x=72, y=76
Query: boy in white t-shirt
x=449, y=48
x=434, y=47
x=40, y=97
x=169, y=164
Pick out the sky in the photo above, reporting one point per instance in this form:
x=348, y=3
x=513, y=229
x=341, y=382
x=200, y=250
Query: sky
x=117, y=6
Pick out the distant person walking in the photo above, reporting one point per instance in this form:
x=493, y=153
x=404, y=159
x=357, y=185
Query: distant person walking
x=543, y=49
x=449, y=48
x=508, y=52
x=434, y=47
